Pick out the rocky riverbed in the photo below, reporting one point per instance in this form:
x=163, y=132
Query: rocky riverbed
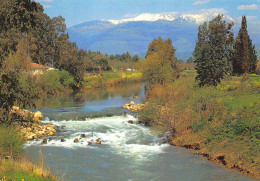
x=31, y=125
x=135, y=107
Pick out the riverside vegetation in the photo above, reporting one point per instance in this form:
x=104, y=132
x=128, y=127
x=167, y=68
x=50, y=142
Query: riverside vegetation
x=28, y=35
x=212, y=119
x=213, y=110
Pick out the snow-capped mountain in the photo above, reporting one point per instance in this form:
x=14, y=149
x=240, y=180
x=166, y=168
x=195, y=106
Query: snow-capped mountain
x=147, y=17
x=200, y=18
x=197, y=18
x=134, y=34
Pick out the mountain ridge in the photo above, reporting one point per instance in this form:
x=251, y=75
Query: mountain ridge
x=135, y=34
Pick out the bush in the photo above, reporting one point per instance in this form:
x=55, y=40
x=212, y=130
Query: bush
x=50, y=82
x=150, y=113
x=55, y=81
x=66, y=79
x=11, y=141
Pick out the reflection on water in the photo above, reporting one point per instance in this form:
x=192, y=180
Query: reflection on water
x=125, y=92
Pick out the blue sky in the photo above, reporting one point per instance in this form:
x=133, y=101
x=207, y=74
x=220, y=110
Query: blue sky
x=78, y=11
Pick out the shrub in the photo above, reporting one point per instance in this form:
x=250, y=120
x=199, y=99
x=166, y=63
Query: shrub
x=150, y=112
x=50, y=82
x=11, y=141
x=66, y=79
x=54, y=81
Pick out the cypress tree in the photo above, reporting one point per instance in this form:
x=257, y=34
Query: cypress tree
x=213, y=51
x=244, y=59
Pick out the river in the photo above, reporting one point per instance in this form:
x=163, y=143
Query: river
x=128, y=151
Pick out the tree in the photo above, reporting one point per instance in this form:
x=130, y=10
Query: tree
x=213, y=51
x=16, y=88
x=135, y=58
x=190, y=60
x=160, y=62
x=68, y=57
x=244, y=58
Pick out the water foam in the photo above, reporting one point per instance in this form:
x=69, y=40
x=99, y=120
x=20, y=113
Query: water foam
x=123, y=138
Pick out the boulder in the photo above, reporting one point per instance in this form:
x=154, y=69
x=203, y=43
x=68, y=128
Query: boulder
x=134, y=107
x=16, y=108
x=146, y=123
x=83, y=136
x=89, y=143
x=132, y=103
x=76, y=140
x=38, y=116
x=62, y=140
x=130, y=121
x=98, y=141
x=30, y=136
x=44, y=141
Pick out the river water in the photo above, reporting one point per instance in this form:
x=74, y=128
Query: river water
x=128, y=151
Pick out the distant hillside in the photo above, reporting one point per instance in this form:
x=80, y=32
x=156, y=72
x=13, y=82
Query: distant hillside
x=135, y=34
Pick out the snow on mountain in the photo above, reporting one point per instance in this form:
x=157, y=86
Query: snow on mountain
x=200, y=18
x=197, y=18
x=136, y=33
x=147, y=17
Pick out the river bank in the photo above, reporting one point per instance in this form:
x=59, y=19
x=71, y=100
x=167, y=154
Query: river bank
x=220, y=123
x=125, y=146
x=109, y=79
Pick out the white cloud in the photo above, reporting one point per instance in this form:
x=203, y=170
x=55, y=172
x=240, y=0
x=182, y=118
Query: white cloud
x=201, y=2
x=211, y=11
x=248, y=7
x=251, y=17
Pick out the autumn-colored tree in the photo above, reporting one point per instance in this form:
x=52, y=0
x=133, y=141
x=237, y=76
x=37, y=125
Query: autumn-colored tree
x=159, y=66
x=245, y=58
x=213, y=51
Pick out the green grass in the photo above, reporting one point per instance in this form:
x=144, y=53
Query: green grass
x=15, y=167
x=222, y=120
x=18, y=175
x=110, y=79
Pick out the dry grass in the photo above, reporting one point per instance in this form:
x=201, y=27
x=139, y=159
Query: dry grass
x=221, y=120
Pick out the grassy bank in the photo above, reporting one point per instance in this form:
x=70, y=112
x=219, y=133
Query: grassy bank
x=221, y=123
x=110, y=79
x=13, y=165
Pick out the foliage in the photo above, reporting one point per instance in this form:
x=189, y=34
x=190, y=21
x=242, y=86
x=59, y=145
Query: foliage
x=14, y=88
x=190, y=60
x=54, y=81
x=110, y=79
x=213, y=51
x=159, y=66
x=150, y=113
x=244, y=58
x=11, y=141
x=66, y=79
x=66, y=57
x=222, y=119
